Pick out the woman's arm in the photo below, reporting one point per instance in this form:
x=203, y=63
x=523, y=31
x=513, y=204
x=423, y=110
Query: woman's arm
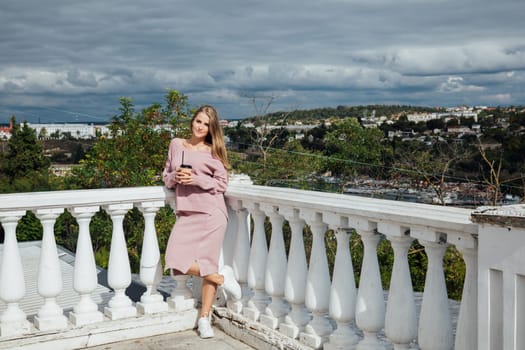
x=217, y=182
x=169, y=171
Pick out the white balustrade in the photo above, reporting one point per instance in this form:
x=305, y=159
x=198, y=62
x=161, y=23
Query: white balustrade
x=50, y=316
x=257, y=264
x=151, y=300
x=230, y=236
x=119, y=271
x=343, y=292
x=317, y=296
x=296, y=272
x=241, y=255
x=435, y=323
x=401, y=303
x=275, y=273
x=370, y=303
x=12, y=284
x=317, y=301
x=85, y=270
x=467, y=327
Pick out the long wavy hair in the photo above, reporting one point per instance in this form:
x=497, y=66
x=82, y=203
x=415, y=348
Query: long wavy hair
x=215, y=137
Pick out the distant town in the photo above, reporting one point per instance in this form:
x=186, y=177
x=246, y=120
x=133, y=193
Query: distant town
x=46, y=131
x=460, y=125
x=80, y=131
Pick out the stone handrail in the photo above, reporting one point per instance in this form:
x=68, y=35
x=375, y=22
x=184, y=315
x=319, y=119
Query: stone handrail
x=286, y=291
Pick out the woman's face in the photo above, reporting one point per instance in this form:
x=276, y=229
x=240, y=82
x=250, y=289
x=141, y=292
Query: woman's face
x=200, y=125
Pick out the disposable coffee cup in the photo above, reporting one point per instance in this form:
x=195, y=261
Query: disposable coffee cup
x=184, y=166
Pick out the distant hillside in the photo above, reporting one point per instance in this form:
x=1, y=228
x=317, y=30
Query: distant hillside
x=344, y=112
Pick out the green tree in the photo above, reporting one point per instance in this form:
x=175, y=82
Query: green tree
x=55, y=135
x=24, y=167
x=354, y=150
x=289, y=166
x=240, y=137
x=43, y=134
x=135, y=152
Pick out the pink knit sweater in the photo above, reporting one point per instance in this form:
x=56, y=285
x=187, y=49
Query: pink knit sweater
x=210, y=179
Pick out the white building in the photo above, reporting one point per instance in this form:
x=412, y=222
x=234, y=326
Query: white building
x=424, y=117
x=80, y=131
x=5, y=135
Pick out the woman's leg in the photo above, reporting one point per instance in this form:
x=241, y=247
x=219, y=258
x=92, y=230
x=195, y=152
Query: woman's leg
x=208, y=294
x=209, y=287
x=216, y=278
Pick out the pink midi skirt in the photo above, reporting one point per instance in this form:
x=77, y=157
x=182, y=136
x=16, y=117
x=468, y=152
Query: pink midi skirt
x=196, y=237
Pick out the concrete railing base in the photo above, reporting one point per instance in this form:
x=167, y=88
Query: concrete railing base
x=253, y=333
x=104, y=332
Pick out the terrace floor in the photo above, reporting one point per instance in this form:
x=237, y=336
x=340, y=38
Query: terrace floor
x=187, y=340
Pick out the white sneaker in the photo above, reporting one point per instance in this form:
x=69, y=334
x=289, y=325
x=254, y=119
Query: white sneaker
x=230, y=285
x=204, y=327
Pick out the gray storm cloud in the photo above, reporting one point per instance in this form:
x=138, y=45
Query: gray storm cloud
x=81, y=56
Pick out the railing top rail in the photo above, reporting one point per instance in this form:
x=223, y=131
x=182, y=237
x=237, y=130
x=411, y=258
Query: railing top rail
x=85, y=197
x=454, y=218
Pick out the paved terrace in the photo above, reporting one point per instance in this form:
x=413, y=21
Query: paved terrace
x=185, y=340
x=290, y=300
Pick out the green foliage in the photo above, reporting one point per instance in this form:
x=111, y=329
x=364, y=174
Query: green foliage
x=134, y=231
x=29, y=228
x=135, y=153
x=66, y=231
x=101, y=229
x=455, y=271
x=354, y=150
x=341, y=112
x=290, y=166
x=23, y=168
x=102, y=257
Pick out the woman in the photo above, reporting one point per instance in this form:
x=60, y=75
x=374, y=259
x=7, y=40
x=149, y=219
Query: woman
x=197, y=170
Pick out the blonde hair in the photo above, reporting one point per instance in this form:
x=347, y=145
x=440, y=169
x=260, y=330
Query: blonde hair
x=215, y=136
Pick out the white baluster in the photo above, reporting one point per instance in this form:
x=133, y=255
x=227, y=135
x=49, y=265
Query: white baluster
x=119, y=271
x=401, y=318
x=257, y=265
x=275, y=273
x=12, y=283
x=241, y=256
x=85, y=272
x=343, y=291
x=182, y=297
x=229, y=238
x=467, y=326
x=151, y=301
x=225, y=256
x=370, y=304
x=50, y=316
x=435, y=323
x=317, y=296
x=296, y=272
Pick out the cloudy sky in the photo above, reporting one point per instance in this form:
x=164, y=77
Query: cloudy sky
x=66, y=60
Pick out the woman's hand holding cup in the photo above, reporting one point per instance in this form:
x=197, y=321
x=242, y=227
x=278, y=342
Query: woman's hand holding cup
x=184, y=175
